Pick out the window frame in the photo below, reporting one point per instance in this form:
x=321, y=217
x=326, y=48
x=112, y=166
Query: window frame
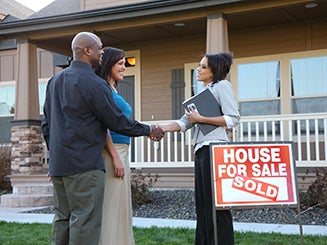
x=286, y=97
x=6, y=84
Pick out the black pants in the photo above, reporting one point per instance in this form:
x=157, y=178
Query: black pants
x=203, y=197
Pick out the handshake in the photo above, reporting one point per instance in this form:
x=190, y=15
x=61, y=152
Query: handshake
x=157, y=133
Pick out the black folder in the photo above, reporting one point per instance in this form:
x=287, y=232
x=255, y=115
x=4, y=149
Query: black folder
x=207, y=105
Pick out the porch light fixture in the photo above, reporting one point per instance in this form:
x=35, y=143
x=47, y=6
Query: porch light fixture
x=130, y=61
x=311, y=5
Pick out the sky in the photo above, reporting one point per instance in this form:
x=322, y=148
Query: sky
x=35, y=5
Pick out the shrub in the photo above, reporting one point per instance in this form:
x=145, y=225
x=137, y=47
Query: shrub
x=316, y=194
x=140, y=184
x=5, y=165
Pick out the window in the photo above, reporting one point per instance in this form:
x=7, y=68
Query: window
x=7, y=98
x=42, y=89
x=8, y=94
x=289, y=83
x=192, y=86
x=259, y=80
x=259, y=88
x=309, y=88
x=309, y=84
x=196, y=86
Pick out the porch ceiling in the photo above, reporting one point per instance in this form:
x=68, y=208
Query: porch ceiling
x=236, y=21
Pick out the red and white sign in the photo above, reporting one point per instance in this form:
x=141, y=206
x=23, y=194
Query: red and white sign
x=253, y=174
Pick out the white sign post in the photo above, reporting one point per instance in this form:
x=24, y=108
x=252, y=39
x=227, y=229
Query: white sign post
x=258, y=174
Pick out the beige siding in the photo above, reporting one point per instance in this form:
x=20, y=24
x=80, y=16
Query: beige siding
x=276, y=40
x=268, y=41
x=8, y=61
x=157, y=61
x=97, y=4
x=319, y=35
x=45, y=64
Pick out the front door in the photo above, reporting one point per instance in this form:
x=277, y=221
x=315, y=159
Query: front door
x=126, y=89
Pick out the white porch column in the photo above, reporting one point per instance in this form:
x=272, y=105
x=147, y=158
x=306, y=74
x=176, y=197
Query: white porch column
x=217, y=34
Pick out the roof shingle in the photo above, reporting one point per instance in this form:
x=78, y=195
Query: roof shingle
x=14, y=10
x=58, y=7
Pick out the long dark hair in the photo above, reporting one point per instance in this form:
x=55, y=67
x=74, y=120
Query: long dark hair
x=110, y=57
x=220, y=65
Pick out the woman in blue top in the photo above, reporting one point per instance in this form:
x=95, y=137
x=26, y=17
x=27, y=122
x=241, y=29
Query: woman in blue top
x=117, y=227
x=212, y=71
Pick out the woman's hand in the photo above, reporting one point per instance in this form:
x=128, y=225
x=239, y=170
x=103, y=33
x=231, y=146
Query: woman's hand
x=119, y=169
x=194, y=116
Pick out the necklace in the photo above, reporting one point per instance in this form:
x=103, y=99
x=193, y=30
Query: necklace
x=113, y=88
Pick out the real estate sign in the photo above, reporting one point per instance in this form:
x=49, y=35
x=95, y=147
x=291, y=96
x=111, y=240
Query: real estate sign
x=254, y=174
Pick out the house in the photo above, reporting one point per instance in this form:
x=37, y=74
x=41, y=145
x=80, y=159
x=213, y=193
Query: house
x=279, y=72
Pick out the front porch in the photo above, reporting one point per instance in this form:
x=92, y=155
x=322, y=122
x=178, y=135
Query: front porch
x=172, y=157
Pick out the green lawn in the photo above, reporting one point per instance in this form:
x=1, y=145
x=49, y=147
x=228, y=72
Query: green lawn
x=40, y=234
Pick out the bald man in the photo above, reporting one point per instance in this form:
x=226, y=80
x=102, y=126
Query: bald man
x=78, y=110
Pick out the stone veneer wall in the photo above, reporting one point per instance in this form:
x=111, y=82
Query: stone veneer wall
x=27, y=149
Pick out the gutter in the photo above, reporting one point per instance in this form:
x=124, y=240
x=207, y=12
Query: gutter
x=15, y=28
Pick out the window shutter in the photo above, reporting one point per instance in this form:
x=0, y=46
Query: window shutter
x=177, y=92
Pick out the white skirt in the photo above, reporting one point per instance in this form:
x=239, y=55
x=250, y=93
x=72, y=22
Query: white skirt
x=117, y=219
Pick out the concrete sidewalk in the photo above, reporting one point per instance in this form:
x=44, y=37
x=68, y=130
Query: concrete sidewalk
x=16, y=215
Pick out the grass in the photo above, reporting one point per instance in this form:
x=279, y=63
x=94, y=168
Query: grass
x=24, y=234
x=40, y=234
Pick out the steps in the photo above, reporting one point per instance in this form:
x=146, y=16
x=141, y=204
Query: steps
x=28, y=191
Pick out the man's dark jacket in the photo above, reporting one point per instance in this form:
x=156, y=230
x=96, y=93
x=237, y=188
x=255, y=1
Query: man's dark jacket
x=78, y=110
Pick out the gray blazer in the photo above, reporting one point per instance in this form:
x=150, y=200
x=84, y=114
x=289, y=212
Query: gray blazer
x=225, y=96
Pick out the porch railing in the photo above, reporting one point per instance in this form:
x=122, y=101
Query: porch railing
x=307, y=132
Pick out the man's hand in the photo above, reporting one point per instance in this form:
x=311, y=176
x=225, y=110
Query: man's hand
x=157, y=133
